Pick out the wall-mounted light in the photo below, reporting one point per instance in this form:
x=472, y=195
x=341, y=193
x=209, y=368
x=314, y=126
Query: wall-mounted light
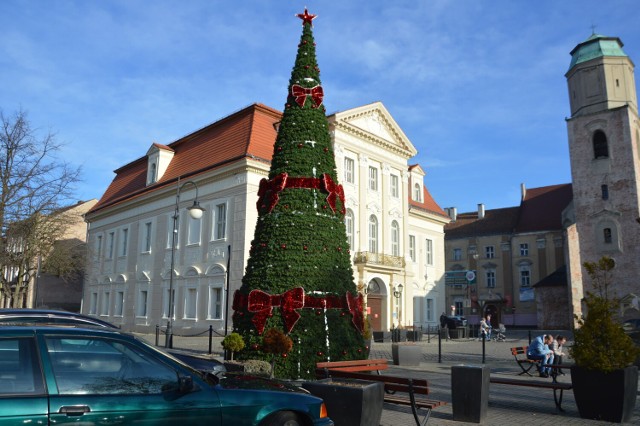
x=398, y=291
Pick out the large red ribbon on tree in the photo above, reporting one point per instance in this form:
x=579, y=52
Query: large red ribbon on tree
x=300, y=94
x=262, y=304
x=269, y=190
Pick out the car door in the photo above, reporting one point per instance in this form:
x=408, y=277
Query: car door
x=23, y=399
x=98, y=380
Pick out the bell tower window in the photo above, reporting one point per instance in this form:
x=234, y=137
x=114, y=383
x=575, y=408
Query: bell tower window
x=600, y=145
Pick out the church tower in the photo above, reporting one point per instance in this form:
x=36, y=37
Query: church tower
x=604, y=137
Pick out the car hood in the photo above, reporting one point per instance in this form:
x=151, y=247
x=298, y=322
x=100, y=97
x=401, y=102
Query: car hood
x=243, y=381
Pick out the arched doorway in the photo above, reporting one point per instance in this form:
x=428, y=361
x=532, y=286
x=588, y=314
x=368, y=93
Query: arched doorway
x=493, y=311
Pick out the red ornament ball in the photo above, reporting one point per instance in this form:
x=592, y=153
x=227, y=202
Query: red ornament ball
x=318, y=311
x=304, y=247
x=344, y=352
x=284, y=246
x=284, y=355
x=359, y=351
x=320, y=353
x=342, y=314
x=299, y=145
x=255, y=347
x=326, y=150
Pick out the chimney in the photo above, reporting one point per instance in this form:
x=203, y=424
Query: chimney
x=523, y=191
x=481, y=211
x=452, y=212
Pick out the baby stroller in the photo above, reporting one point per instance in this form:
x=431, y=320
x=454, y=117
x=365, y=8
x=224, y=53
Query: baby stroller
x=500, y=335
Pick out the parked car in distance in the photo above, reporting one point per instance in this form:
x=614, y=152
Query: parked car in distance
x=22, y=316
x=80, y=375
x=453, y=321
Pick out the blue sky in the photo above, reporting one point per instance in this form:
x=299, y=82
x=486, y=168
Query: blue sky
x=477, y=86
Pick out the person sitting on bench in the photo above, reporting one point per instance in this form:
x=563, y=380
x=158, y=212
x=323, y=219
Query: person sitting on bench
x=557, y=347
x=539, y=351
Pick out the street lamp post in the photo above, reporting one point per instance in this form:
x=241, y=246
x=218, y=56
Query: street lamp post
x=397, y=293
x=195, y=211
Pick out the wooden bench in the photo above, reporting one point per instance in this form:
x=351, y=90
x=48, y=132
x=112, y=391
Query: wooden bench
x=362, y=369
x=526, y=364
x=554, y=385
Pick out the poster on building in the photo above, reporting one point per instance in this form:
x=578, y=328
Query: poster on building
x=526, y=294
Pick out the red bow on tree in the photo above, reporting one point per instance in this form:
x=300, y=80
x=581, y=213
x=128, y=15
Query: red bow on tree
x=269, y=190
x=262, y=304
x=335, y=191
x=355, y=305
x=301, y=93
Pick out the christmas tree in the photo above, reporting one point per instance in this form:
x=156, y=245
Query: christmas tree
x=299, y=277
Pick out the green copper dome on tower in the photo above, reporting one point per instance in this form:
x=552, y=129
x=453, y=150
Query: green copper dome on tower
x=596, y=46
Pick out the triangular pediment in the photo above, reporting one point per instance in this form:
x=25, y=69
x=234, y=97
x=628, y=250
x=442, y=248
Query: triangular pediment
x=373, y=122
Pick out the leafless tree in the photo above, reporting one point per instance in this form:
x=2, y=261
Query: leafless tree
x=34, y=184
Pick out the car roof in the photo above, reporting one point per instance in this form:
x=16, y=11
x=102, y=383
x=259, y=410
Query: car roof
x=9, y=314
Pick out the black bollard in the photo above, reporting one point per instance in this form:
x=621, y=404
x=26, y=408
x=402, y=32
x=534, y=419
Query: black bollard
x=483, y=343
x=157, y=335
x=440, y=345
x=210, y=338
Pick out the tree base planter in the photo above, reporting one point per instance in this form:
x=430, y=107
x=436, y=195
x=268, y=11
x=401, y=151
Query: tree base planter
x=605, y=396
x=407, y=354
x=350, y=402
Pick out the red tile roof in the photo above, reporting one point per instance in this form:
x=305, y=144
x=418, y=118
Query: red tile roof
x=428, y=203
x=246, y=133
x=541, y=209
x=495, y=222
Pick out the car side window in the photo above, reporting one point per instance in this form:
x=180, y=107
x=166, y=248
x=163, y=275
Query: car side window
x=20, y=372
x=95, y=366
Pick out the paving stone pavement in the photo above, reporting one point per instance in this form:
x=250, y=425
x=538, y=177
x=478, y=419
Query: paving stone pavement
x=508, y=405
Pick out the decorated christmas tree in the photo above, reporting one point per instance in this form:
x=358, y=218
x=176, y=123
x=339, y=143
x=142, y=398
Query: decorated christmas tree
x=299, y=277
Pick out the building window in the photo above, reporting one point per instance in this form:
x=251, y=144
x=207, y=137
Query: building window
x=459, y=307
x=373, y=178
x=170, y=232
x=349, y=170
x=93, y=304
x=412, y=247
x=152, y=173
x=215, y=303
x=395, y=239
x=147, y=237
x=99, y=246
x=112, y=237
x=525, y=276
x=105, y=303
x=608, y=239
x=191, y=303
x=125, y=242
x=118, y=308
x=429, y=252
x=457, y=254
x=430, y=310
x=373, y=234
x=348, y=223
x=417, y=193
x=395, y=188
x=491, y=279
x=600, y=145
x=489, y=252
x=524, y=249
x=220, y=225
x=605, y=192
x=194, y=231
x=141, y=308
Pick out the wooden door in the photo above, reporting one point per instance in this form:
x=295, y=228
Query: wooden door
x=374, y=303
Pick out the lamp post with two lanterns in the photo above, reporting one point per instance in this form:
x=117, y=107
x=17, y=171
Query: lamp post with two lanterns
x=195, y=211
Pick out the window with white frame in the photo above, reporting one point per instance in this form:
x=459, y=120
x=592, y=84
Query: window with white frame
x=417, y=192
x=490, y=277
x=429, y=248
x=98, y=246
x=525, y=276
x=349, y=170
x=412, y=247
x=395, y=239
x=457, y=254
x=220, y=225
x=147, y=237
x=395, y=186
x=430, y=310
x=106, y=296
x=171, y=231
x=93, y=304
x=348, y=223
x=373, y=234
x=125, y=241
x=194, y=231
x=118, y=307
x=373, y=178
x=191, y=303
x=112, y=238
x=215, y=303
x=524, y=249
x=489, y=252
x=141, y=305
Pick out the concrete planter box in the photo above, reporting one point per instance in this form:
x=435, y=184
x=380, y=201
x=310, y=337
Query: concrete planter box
x=408, y=354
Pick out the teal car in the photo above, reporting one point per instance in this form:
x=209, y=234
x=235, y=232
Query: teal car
x=58, y=375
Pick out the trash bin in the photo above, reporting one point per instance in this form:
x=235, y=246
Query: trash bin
x=470, y=392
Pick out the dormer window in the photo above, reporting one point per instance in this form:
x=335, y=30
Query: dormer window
x=153, y=173
x=158, y=159
x=417, y=192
